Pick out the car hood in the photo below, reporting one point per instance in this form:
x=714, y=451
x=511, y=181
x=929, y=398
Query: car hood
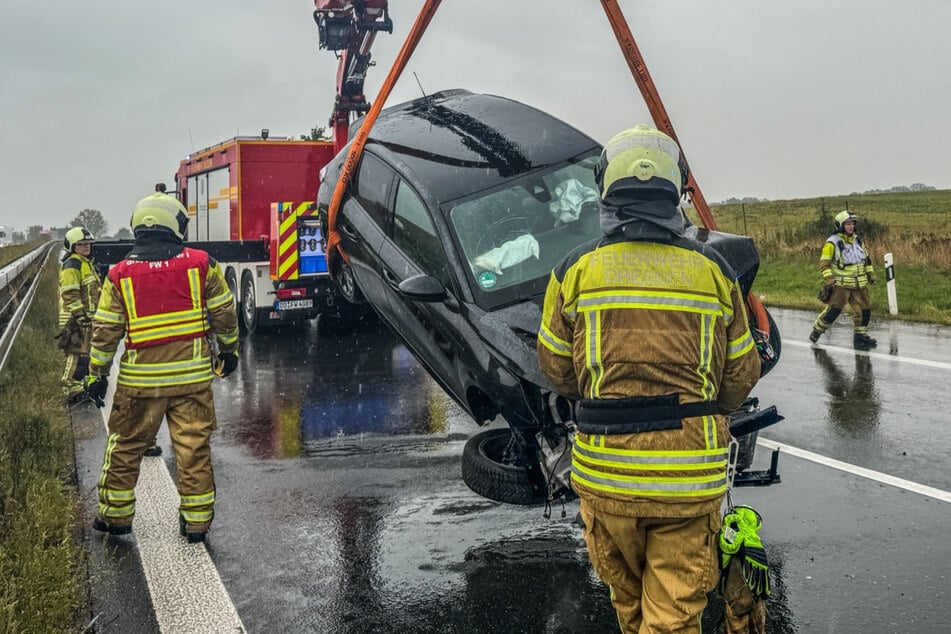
x=511, y=332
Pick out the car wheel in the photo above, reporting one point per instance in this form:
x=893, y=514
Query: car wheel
x=490, y=469
x=776, y=343
x=249, y=310
x=348, y=284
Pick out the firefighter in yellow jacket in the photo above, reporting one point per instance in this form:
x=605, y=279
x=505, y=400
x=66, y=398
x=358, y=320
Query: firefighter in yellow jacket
x=78, y=296
x=847, y=272
x=648, y=331
x=166, y=301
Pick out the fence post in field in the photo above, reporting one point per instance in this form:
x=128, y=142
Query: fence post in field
x=890, y=284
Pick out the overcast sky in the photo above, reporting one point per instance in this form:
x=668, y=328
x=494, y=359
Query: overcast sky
x=770, y=99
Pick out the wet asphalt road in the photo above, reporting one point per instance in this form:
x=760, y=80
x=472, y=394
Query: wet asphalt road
x=341, y=507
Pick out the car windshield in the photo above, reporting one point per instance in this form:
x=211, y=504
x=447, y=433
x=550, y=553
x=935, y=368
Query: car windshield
x=516, y=234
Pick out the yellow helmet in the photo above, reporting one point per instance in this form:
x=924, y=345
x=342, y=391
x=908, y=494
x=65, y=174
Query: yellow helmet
x=641, y=159
x=76, y=235
x=843, y=217
x=160, y=210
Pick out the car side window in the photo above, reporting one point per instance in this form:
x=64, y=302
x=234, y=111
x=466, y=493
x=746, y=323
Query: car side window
x=374, y=185
x=415, y=234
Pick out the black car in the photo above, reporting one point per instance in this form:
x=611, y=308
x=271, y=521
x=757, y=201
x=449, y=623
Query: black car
x=460, y=207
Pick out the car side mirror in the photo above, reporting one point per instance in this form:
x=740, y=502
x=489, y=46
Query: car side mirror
x=423, y=288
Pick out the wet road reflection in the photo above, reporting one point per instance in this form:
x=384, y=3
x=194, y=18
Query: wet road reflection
x=343, y=508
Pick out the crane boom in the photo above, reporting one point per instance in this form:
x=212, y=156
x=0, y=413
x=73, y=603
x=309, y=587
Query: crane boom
x=349, y=28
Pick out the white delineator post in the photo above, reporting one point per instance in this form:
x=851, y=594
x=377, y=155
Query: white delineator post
x=890, y=284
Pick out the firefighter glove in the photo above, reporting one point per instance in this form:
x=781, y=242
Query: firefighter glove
x=83, y=320
x=229, y=363
x=825, y=293
x=96, y=387
x=871, y=277
x=739, y=537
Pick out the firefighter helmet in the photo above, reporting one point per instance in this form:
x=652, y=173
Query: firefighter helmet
x=641, y=159
x=160, y=210
x=76, y=235
x=843, y=217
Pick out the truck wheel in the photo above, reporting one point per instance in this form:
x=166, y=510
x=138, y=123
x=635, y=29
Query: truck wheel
x=348, y=284
x=488, y=471
x=232, y=281
x=249, y=308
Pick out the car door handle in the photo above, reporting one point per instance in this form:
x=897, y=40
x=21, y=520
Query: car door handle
x=391, y=278
x=349, y=230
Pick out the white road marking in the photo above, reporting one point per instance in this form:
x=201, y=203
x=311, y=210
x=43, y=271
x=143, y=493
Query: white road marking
x=875, y=355
x=187, y=592
x=877, y=476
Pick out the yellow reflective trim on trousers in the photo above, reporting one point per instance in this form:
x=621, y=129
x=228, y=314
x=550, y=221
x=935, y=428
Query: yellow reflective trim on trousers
x=198, y=500
x=194, y=288
x=118, y=495
x=107, y=459
x=648, y=459
x=592, y=352
x=698, y=486
x=196, y=517
x=168, y=379
x=549, y=340
x=129, y=296
x=118, y=512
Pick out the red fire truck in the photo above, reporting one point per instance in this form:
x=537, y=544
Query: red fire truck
x=249, y=206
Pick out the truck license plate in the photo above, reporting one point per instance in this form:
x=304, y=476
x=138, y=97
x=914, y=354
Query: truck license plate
x=294, y=304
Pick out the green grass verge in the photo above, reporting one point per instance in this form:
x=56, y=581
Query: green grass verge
x=11, y=252
x=41, y=557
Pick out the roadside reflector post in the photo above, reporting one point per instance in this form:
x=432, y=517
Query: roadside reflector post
x=890, y=284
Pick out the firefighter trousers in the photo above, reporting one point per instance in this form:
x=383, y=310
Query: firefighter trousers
x=74, y=375
x=659, y=569
x=857, y=298
x=133, y=424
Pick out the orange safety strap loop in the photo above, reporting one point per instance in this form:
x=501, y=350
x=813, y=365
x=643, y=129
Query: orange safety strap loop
x=642, y=78
x=356, y=148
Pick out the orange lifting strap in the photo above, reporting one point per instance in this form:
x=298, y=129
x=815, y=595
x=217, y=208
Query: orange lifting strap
x=356, y=148
x=642, y=78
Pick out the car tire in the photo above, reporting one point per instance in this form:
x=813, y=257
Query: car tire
x=484, y=472
x=776, y=342
x=249, y=311
x=347, y=284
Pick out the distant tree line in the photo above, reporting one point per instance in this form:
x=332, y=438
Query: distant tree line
x=900, y=189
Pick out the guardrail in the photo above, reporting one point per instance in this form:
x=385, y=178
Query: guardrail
x=8, y=276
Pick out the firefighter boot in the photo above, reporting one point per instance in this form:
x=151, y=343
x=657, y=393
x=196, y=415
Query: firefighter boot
x=192, y=537
x=862, y=341
x=814, y=335
x=103, y=526
x=153, y=451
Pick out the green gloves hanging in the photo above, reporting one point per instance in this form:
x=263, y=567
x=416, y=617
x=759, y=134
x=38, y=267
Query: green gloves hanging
x=739, y=536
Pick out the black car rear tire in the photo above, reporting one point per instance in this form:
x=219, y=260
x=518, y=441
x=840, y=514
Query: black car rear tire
x=484, y=471
x=347, y=284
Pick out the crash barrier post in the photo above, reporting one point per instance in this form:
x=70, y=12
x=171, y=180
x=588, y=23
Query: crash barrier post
x=890, y=284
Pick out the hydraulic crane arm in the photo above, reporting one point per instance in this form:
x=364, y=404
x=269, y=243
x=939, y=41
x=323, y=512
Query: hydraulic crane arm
x=349, y=28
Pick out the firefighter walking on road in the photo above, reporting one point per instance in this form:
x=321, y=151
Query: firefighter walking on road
x=79, y=289
x=164, y=300
x=847, y=273
x=649, y=330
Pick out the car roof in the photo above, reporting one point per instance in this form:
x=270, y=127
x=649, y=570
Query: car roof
x=457, y=142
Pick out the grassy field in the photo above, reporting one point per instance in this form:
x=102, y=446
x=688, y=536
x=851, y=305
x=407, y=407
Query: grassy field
x=11, y=252
x=41, y=562
x=915, y=227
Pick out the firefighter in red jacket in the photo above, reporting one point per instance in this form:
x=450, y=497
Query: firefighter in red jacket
x=647, y=330
x=79, y=289
x=165, y=301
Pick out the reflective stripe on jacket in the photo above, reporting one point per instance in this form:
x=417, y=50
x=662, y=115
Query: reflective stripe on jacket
x=79, y=288
x=164, y=310
x=844, y=257
x=625, y=318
